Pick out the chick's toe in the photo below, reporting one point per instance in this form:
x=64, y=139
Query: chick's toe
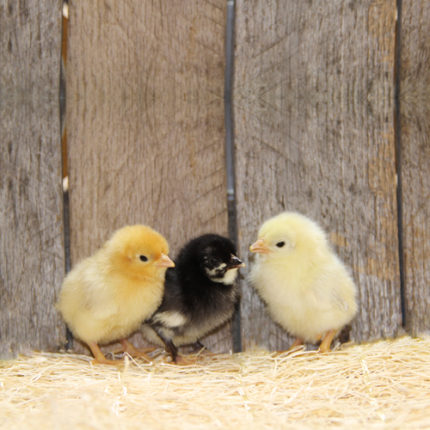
x=99, y=356
x=130, y=349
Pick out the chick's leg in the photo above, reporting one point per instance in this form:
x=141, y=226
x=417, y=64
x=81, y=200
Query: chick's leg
x=326, y=342
x=131, y=350
x=197, y=346
x=296, y=343
x=201, y=349
x=173, y=350
x=176, y=358
x=99, y=356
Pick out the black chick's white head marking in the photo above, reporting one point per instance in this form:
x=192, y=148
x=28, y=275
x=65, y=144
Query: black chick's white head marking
x=218, y=259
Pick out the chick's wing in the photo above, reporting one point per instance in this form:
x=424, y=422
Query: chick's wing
x=328, y=291
x=93, y=292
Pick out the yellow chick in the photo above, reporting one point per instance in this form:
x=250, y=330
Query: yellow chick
x=108, y=295
x=308, y=290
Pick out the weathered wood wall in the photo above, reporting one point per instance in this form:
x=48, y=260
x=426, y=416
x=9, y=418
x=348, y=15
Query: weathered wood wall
x=146, y=122
x=31, y=216
x=314, y=133
x=415, y=160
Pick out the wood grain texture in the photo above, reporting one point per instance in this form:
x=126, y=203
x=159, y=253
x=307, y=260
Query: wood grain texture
x=145, y=122
x=415, y=161
x=31, y=217
x=314, y=91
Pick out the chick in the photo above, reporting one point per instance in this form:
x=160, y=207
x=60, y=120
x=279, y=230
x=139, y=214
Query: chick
x=106, y=296
x=307, y=288
x=200, y=294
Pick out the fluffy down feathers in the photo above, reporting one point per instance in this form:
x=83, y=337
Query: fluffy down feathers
x=106, y=296
x=307, y=288
x=200, y=293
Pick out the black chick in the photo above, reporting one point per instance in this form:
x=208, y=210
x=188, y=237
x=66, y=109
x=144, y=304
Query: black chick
x=200, y=294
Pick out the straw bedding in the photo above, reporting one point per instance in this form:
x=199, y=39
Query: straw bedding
x=380, y=385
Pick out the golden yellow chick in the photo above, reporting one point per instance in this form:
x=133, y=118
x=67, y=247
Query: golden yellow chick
x=108, y=295
x=308, y=290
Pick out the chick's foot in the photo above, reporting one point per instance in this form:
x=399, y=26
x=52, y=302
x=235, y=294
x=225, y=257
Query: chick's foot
x=295, y=344
x=106, y=361
x=182, y=361
x=130, y=349
x=99, y=356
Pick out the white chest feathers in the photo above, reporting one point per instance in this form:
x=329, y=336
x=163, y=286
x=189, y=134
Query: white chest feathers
x=228, y=278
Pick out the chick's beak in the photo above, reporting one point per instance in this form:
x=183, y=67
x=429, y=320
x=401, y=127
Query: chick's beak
x=234, y=263
x=164, y=261
x=260, y=246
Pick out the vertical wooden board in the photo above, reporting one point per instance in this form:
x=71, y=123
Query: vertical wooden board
x=415, y=161
x=145, y=122
x=31, y=217
x=314, y=134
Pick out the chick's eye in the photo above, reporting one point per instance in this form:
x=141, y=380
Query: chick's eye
x=280, y=244
x=143, y=258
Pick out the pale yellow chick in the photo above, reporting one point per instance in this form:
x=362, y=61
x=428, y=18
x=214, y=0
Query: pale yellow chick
x=107, y=296
x=308, y=290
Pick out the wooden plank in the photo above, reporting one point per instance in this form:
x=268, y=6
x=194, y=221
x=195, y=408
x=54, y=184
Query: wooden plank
x=415, y=161
x=145, y=122
x=315, y=134
x=31, y=214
